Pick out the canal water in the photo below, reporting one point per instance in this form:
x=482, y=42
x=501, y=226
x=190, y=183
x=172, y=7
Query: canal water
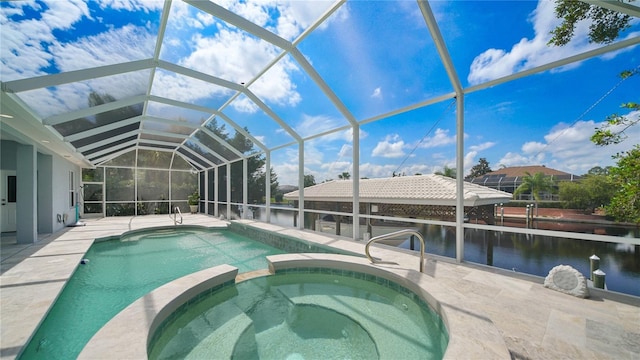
x=531, y=254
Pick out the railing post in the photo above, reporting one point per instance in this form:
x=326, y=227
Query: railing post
x=594, y=264
x=598, y=279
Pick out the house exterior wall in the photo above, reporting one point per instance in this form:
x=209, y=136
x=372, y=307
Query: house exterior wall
x=51, y=189
x=8, y=155
x=61, y=202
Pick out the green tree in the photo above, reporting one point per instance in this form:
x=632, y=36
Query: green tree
x=256, y=177
x=309, y=180
x=481, y=168
x=344, y=176
x=625, y=176
x=448, y=172
x=605, y=25
x=588, y=194
x=535, y=185
x=598, y=170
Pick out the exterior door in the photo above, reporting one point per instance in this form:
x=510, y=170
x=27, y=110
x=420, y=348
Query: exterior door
x=8, y=184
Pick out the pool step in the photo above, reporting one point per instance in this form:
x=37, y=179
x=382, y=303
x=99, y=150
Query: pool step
x=220, y=343
x=388, y=325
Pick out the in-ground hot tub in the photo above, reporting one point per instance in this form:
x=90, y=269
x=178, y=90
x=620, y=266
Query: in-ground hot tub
x=304, y=313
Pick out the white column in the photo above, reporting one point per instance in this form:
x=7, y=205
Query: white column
x=228, y=191
x=267, y=191
x=26, y=194
x=356, y=182
x=460, y=178
x=206, y=192
x=245, y=187
x=216, y=213
x=301, y=185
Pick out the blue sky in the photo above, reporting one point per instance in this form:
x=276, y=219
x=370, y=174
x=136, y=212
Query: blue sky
x=377, y=57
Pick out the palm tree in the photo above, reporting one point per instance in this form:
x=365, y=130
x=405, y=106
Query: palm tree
x=448, y=172
x=344, y=176
x=535, y=184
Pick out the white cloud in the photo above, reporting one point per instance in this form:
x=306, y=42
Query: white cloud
x=391, y=147
x=533, y=147
x=183, y=88
x=110, y=47
x=483, y=146
x=296, y=16
x=261, y=138
x=293, y=17
x=345, y=151
x=205, y=19
x=370, y=170
x=469, y=158
x=311, y=125
x=132, y=5
x=236, y=57
x=23, y=49
x=377, y=93
x=441, y=138
x=529, y=53
x=569, y=148
x=287, y=173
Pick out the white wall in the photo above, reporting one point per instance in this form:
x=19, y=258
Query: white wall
x=60, y=193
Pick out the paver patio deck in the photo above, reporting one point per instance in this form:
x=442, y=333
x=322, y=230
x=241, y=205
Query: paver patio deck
x=535, y=322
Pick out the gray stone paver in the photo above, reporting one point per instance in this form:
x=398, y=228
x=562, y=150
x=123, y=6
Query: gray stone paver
x=535, y=322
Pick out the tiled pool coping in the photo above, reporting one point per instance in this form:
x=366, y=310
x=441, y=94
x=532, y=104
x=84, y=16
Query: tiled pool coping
x=128, y=334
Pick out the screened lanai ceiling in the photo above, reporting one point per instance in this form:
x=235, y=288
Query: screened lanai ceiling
x=96, y=80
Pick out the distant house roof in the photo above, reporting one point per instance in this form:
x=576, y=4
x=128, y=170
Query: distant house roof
x=523, y=170
x=515, y=173
x=419, y=190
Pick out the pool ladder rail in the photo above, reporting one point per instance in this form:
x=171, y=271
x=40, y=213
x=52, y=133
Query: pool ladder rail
x=392, y=235
x=176, y=212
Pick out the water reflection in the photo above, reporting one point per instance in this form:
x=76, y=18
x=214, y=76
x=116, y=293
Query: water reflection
x=531, y=254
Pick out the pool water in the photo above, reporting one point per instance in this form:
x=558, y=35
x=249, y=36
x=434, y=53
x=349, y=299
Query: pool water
x=303, y=316
x=121, y=271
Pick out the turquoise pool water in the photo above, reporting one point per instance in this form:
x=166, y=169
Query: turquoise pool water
x=120, y=271
x=323, y=314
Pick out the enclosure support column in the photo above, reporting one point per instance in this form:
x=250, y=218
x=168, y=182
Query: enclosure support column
x=438, y=40
x=267, y=191
x=206, y=191
x=356, y=181
x=301, y=185
x=460, y=178
x=26, y=191
x=135, y=186
x=245, y=188
x=228, y=191
x=216, y=178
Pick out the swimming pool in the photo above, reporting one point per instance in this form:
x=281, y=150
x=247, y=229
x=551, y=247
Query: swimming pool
x=120, y=271
x=303, y=313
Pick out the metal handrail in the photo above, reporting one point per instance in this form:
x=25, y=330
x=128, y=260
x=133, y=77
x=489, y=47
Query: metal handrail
x=394, y=235
x=176, y=212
